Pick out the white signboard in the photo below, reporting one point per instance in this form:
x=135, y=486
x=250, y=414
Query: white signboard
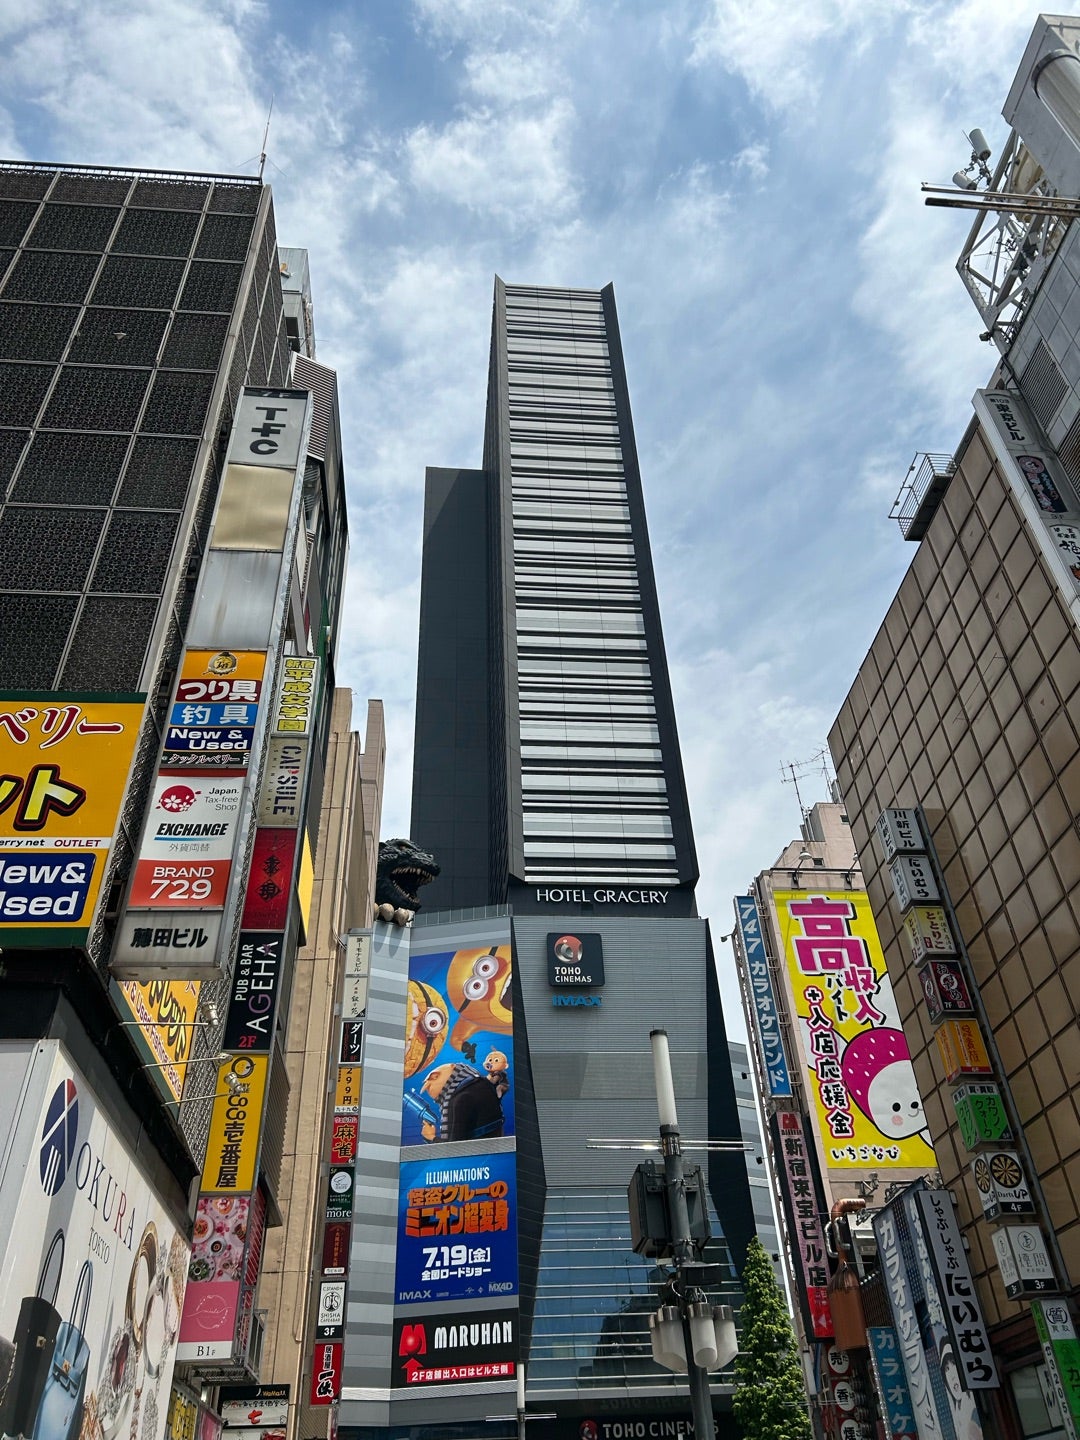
x=94, y=1238
x=913, y=881
x=1024, y=1261
x=268, y=428
x=180, y=943
x=898, y=830
x=192, y=817
x=1002, y=1184
x=959, y=1300
x=358, y=955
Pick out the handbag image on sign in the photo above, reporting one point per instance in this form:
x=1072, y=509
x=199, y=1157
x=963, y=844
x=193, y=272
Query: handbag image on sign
x=34, y=1338
x=60, y=1413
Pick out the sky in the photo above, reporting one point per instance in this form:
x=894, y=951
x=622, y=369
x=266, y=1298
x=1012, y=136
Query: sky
x=746, y=173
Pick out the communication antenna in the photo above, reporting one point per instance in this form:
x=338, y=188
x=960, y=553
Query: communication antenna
x=266, y=134
x=796, y=770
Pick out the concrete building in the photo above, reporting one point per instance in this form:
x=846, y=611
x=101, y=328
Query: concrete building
x=957, y=752
x=845, y=1123
x=562, y=927
x=173, y=536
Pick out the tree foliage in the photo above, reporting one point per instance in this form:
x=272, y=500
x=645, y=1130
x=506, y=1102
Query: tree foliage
x=770, y=1394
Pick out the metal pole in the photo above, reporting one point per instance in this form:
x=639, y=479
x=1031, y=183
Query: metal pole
x=679, y=1216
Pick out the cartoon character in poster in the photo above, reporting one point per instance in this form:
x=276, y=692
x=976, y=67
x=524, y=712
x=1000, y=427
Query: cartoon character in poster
x=460, y=1009
x=866, y=1095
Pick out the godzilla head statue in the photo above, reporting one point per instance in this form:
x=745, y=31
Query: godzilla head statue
x=401, y=871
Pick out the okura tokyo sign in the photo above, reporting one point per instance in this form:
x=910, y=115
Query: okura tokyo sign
x=602, y=897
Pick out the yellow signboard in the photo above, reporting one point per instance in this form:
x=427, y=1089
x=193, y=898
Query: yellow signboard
x=866, y=1100
x=347, y=1095
x=165, y=1010
x=64, y=765
x=233, y=1146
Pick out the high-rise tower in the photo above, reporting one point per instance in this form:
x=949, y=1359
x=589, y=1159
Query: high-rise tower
x=562, y=928
x=542, y=668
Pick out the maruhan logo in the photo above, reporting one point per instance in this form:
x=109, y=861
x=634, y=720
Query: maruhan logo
x=59, y=1136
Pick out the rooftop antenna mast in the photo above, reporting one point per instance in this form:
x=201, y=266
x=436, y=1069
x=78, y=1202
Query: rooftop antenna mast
x=266, y=136
x=796, y=770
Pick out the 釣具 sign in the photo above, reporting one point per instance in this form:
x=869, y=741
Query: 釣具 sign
x=215, y=710
x=64, y=765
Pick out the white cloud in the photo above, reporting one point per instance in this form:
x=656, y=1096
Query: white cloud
x=513, y=167
x=753, y=160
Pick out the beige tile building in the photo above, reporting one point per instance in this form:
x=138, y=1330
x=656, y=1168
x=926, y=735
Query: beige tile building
x=341, y=899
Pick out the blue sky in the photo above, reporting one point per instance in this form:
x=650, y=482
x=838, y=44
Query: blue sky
x=747, y=174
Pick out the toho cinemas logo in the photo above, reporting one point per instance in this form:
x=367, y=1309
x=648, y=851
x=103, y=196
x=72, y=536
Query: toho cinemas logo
x=94, y=1181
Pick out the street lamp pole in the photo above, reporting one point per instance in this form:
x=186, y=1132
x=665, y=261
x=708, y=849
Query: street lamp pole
x=679, y=1215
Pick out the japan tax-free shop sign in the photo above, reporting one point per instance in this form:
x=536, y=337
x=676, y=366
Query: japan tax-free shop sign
x=64, y=765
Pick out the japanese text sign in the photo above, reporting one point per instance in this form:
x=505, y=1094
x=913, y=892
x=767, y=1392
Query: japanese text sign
x=899, y=831
x=759, y=981
x=892, y=1383
x=235, y=1124
x=64, y=764
x=894, y=1268
x=960, y=1303
x=859, y=1072
x=808, y=1236
x=457, y=1232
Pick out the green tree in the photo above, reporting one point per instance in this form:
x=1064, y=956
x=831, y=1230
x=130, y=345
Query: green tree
x=770, y=1397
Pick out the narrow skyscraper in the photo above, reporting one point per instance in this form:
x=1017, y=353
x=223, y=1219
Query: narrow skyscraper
x=548, y=785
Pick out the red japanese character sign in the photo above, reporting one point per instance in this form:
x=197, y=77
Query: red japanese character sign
x=866, y=1100
x=64, y=764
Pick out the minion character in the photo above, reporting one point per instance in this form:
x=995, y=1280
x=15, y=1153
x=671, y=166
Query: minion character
x=425, y=1029
x=478, y=986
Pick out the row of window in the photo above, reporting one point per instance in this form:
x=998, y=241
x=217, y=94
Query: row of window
x=639, y=732
x=608, y=824
x=584, y=780
x=622, y=621
x=532, y=750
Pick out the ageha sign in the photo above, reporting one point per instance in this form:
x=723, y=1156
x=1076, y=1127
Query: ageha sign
x=561, y=896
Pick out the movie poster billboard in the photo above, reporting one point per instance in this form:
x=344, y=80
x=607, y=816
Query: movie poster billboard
x=64, y=763
x=459, y=1046
x=859, y=1069
x=93, y=1274
x=457, y=1229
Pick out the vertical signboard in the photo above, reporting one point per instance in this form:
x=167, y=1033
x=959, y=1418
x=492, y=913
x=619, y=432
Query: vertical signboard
x=959, y=1302
x=859, y=1069
x=891, y=1382
x=887, y=1225
x=805, y=1208
x=766, y=1019
x=456, y=1276
x=64, y=764
x=163, y=1012
x=98, y=1242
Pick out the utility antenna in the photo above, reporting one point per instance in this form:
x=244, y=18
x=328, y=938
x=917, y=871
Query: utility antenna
x=796, y=770
x=266, y=134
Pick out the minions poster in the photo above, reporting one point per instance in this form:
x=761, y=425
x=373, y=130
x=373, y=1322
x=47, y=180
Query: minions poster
x=459, y=1047
x=858, y=1067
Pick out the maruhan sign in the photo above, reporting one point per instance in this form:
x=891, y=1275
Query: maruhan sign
x=550, y=896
